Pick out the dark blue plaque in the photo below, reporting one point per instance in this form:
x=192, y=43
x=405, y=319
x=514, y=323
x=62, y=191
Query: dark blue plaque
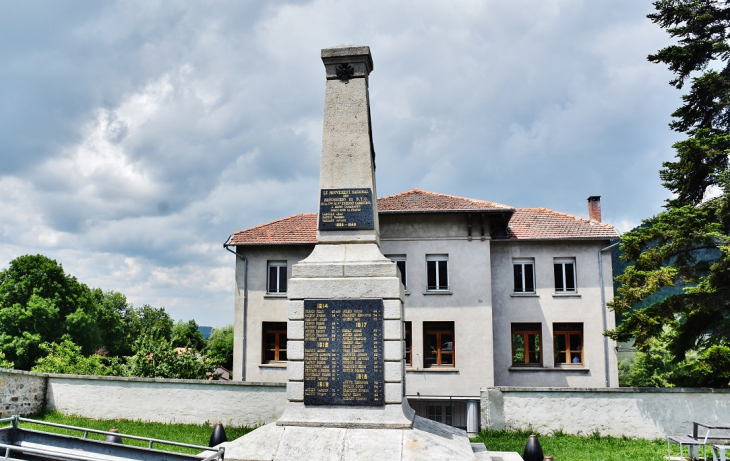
x=343, y=352
x=346, y=209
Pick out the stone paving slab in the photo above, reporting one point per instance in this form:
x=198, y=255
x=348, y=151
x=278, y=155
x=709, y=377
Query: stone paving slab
x=427, y=440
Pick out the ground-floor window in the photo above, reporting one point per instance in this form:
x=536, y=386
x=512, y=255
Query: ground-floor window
x=273, y=342
x=438, y=344
x=568, y=343
x=526, y=344
x=447, y=411
x=408, y=335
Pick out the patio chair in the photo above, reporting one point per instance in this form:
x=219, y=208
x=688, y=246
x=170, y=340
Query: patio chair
x=691, y=444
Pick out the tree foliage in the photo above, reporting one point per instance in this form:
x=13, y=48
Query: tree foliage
x=220, y=346
x=51, y=322
x=687, y=245
x=186, y=334
x=67, y=358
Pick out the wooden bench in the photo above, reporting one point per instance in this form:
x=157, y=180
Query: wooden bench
x=690, y=442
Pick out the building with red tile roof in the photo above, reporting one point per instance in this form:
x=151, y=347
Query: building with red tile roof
x=494, y=296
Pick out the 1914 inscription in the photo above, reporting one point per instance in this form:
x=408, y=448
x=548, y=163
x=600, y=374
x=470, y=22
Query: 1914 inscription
x=346, y=209
x=343, y=352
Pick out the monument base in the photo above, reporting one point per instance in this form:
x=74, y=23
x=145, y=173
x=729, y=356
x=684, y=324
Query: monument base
x=391, y=416
x=426, y=440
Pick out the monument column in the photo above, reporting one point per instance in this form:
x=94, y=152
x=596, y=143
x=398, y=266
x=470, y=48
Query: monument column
x=345, y=329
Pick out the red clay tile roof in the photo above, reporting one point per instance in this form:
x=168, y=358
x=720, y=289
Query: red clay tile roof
x=420, y=200
x=541, y=224
x=300, y=228
x=525, y=224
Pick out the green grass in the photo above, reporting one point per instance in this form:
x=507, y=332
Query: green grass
x=580, y=448
x=183, y=433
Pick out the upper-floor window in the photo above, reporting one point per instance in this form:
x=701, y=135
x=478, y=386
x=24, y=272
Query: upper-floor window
x=524, y=275
x=568, y=343
x=564, y=275
x=437, y=272
x=273, y=342
x=400, y=261
x=276, y=283
x=527, y=344
x=438, y=344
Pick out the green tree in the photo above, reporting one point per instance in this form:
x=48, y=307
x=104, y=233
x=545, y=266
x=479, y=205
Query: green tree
x=687, y=245
x=67, y=358
x=186, y=334
x=4, y=363
x=220, y=346
x=157, y=358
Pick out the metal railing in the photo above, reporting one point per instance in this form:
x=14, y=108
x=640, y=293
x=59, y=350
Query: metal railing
x=16, y=420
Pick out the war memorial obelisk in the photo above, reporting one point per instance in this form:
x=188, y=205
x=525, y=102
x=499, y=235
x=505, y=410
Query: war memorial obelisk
x=346, y=374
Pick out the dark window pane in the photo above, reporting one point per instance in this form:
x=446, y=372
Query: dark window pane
x=269, y=355
x=575, y=357
x=529, y=278
x=576, y=342
x=443, y=275
x=270, y=341
x=282, y=279
x=402, y=267
x=282, y=356
x=560, y=342
x=558, y=277
x=518, y=347
x=518, y=278
x=431, y=269
x=570, y=277
x=272, y=279
x=560, y=357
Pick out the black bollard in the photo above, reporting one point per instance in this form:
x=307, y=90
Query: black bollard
x=113, y=438
x=218, y=436
x=533, y=450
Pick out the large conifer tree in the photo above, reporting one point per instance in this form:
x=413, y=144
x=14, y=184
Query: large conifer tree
x=687, y=245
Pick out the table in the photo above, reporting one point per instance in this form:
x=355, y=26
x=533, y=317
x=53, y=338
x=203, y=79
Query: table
x=710, y=426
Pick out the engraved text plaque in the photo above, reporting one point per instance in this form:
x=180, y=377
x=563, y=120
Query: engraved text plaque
x=343, y=209
x=343, y=352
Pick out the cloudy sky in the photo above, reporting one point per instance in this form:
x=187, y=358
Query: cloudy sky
x=136, y=136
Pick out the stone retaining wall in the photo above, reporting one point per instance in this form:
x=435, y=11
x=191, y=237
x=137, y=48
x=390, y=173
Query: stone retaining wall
x=635, y=412
x=21, y=393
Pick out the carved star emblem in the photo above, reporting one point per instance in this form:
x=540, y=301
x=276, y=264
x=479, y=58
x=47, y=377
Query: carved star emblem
x=345, y=72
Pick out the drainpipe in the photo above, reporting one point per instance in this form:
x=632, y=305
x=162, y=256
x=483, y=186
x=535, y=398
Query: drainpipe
x=227, y=246
x=603, y=309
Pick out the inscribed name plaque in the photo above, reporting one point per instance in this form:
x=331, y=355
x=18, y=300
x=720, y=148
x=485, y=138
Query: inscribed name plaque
x=344, y=209
x=343, y=352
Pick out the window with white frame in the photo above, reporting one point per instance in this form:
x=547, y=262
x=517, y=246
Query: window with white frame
x=524, y=275
x=276, y=283
x=400, y=261
x=565, y=275
x=437, y=272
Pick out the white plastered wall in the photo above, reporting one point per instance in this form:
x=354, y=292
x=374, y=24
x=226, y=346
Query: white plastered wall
x=547, y=308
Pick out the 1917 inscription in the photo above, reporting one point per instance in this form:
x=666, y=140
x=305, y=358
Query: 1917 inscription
x=343, y=352
x=346, y=209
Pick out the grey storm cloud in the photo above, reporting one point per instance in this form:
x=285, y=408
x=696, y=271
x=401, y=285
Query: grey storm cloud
x=137, y=136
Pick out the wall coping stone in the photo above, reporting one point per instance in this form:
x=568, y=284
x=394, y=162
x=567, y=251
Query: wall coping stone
x=614, y=390
x=142, y=380
x=204, y=382
x=23, y=372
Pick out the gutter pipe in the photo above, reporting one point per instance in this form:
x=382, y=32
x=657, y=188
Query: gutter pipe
x=603, y=309
x=228, y=246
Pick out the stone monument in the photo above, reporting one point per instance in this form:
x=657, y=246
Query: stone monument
x=346, y=373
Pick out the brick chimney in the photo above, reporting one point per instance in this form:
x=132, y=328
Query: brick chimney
x=594, y=208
